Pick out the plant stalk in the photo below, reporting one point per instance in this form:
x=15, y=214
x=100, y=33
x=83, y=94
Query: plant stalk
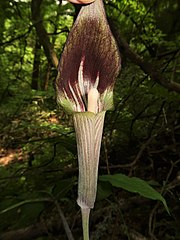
x=85, y=222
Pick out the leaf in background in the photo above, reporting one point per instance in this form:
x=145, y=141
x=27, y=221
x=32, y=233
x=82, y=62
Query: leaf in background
x=29, y=213
x=104, y=190
x=134, y=185
x=68, y=143
x=22, y=213
x=63, y=187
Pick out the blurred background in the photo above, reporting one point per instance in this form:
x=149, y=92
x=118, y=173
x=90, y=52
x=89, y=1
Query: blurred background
x=38, y=158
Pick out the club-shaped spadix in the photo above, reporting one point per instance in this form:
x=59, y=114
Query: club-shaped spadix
x=88, y=67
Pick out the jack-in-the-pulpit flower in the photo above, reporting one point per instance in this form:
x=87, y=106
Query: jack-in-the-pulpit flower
x=87, y=70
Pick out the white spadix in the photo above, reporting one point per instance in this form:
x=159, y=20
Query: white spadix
x=93, y=97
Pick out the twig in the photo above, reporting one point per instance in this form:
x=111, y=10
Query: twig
x=153, y=212
x=65, y=224
x=138, y=156
x=17, y=37
x=106, y=155
x=147, y=67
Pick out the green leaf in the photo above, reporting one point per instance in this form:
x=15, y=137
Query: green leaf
x=28, y=213
x=28, y=201
x=104, y=190
x=63, y=187
x=134, y=185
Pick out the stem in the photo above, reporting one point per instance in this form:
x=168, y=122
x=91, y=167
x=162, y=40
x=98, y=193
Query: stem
x=85, y=222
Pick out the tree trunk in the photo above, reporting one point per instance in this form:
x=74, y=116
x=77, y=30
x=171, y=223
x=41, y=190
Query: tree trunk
x=42, y=34
x=36, y=65
x=46, y=79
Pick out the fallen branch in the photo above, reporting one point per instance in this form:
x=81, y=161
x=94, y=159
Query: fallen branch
x=31, y=232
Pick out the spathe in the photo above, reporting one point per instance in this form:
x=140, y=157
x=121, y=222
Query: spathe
x=90, y=60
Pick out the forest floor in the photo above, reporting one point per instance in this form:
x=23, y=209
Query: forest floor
x=38, y=160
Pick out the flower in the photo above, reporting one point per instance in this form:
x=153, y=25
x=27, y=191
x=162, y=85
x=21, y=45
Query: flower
x=87, y=70
x=90, y=60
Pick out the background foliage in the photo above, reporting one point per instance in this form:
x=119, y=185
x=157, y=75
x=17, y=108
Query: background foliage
x=38, y=160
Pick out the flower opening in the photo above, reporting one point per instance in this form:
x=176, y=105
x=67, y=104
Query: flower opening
x=90, y=60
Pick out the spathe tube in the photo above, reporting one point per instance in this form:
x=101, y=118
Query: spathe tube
x=88, y=128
